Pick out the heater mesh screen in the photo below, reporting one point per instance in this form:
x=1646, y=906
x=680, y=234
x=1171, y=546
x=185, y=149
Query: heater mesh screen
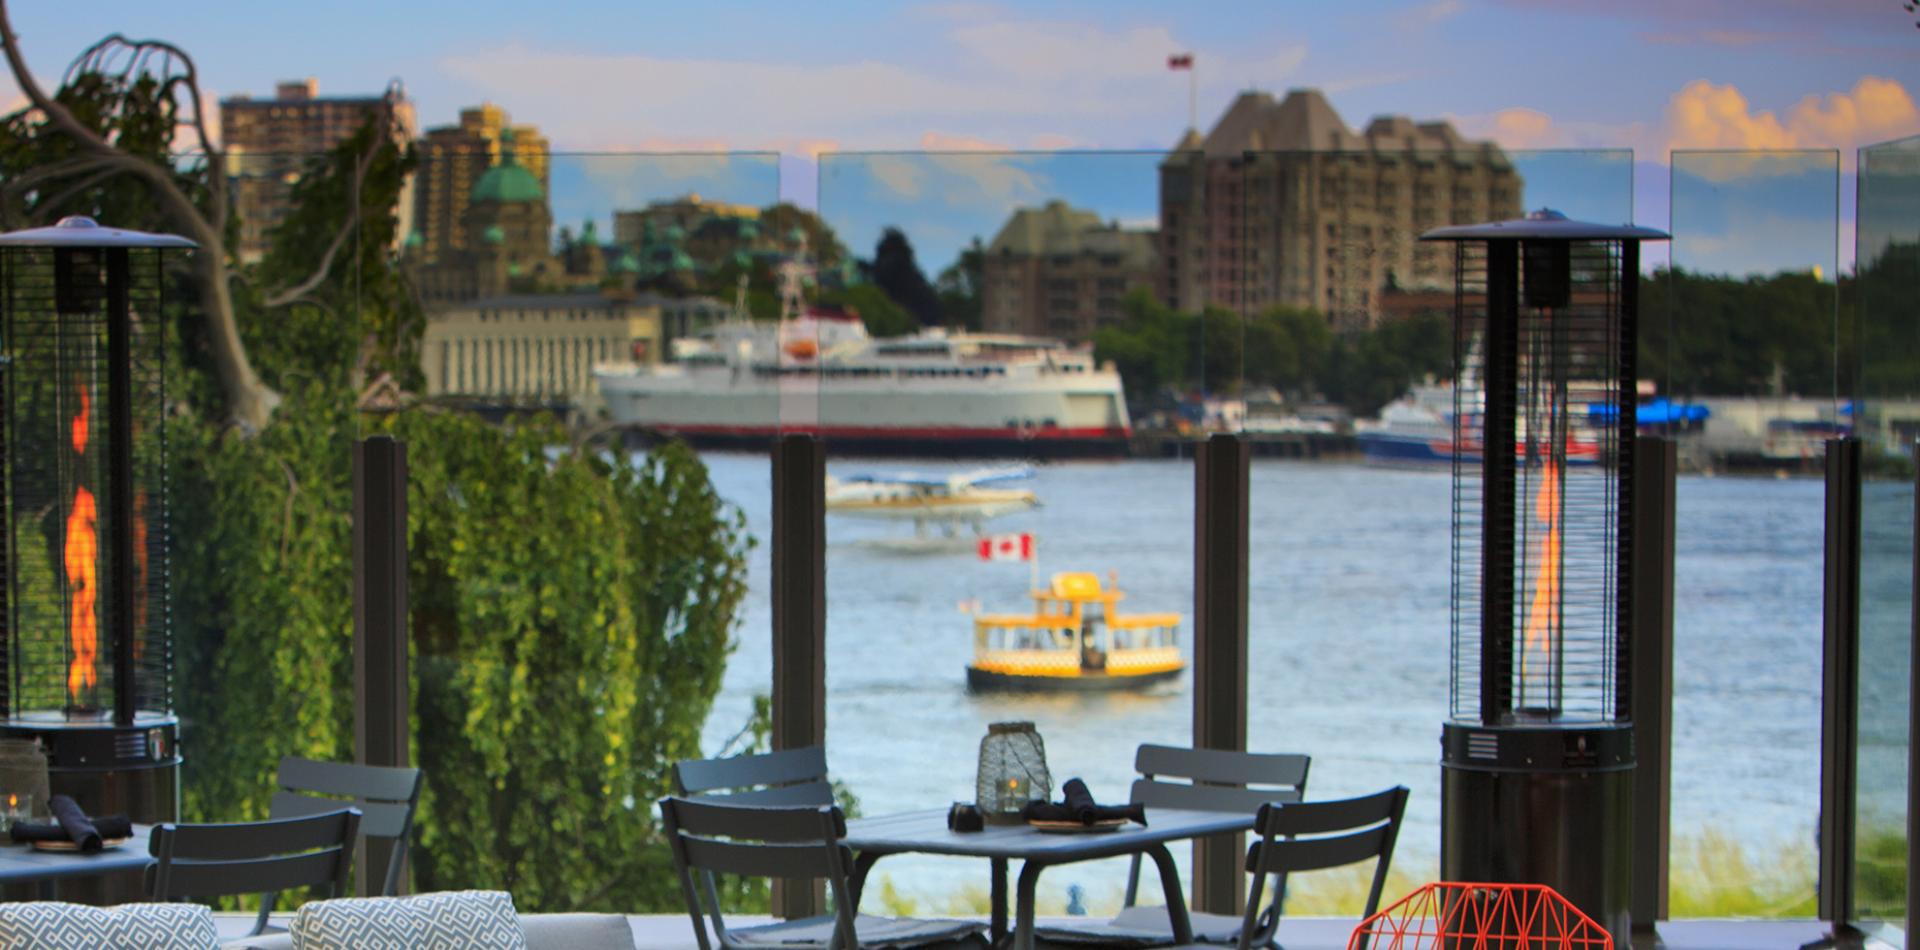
x=1535, y=632
x=62, y=505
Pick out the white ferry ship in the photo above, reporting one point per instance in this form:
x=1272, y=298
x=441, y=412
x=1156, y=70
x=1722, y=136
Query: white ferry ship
x=933, y=392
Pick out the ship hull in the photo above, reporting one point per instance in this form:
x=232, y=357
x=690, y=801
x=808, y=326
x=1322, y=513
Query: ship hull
x=990, y=681
x=956, y=442
x=945, y=411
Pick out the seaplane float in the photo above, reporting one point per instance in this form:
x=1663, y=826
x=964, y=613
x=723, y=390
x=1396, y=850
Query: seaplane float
x=933, y=502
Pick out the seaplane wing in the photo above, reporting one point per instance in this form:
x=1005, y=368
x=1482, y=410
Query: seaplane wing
x=910, y=496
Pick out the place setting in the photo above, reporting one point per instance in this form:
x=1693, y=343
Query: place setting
x=71, y=830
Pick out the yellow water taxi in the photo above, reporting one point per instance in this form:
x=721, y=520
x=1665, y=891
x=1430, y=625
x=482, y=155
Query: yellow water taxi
x=1076, y=639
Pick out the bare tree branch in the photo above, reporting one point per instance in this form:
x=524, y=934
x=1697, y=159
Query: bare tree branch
x=347, y=228
x=136, y=56
x=83, y=184
x=26, y=181
x=250, y=401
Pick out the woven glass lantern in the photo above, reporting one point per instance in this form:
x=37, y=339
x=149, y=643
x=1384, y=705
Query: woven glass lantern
x=24, y=783
x=1013, y=771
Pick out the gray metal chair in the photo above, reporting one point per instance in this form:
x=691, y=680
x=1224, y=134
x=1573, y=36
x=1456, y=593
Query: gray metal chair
x=202, y=861
x=1314, y=836
x=1194, y=780
x=791, y=777
x=714, y=836
x=386, y=798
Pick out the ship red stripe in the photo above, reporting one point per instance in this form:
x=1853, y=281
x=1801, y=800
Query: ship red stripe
x=1055, y=434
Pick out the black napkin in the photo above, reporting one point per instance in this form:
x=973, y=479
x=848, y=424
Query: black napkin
x=72, y=824
x=1077, y=804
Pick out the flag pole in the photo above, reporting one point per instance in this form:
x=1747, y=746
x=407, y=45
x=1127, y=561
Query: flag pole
x=1033, y=563
x=1193, y=95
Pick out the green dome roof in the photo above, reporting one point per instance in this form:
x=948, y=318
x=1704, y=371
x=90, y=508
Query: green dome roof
x=625, y=264
x=676, y=233
x=681, y=261
x=747, y=230
x=494, y=234
x=508, y=181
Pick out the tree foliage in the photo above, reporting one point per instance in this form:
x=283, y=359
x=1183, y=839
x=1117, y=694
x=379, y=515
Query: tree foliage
x=895, y=271
x=367, y=321
x=1290, y=349
x=881, y=315
x=960, y=285
x=1715, y=335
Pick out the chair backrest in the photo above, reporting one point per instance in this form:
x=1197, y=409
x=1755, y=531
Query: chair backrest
x=791, y=777
x=1312, y=836
x=711, y=836
x=386, y=797
x=1217, y=779
x=199, y=861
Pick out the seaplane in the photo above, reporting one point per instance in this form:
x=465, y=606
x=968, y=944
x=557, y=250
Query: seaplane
x=933, y=502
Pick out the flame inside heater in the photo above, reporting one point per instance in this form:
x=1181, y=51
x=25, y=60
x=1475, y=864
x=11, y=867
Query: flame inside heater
x=1544, y=611
x=82, y=561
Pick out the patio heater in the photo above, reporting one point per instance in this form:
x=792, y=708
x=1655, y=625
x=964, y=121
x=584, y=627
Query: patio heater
x=1537, y=760
x=86, y=664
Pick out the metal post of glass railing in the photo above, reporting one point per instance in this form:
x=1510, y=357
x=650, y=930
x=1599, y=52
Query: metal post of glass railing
x=1839, y=693
x=799, y=618
x=1220, y=480
x=381, y=705
x=1656, y=464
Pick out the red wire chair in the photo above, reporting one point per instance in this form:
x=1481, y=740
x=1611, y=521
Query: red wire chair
x=1460, y=916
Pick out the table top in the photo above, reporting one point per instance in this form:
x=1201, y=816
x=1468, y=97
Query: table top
x=926, y=832
x=20, y=863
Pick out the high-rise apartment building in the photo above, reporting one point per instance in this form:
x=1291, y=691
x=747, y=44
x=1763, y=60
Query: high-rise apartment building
x=1283, y=204
x=1060, y=271
x=271, y=143
x=451, y=160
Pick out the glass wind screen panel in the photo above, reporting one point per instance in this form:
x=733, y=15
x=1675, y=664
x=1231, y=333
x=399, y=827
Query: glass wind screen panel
x=1750, y=299
x=1351, y=485
x=1020, y=390
x=1886, y=339
x=617, y=286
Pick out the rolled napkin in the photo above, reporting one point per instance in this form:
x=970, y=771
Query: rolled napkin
x=111, y=829
x=1077, y=804
x=72, y=824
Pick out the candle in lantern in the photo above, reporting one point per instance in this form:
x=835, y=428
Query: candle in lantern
x=1017, y=789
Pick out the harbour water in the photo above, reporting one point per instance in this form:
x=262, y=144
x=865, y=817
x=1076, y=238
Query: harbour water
x=1349, y=628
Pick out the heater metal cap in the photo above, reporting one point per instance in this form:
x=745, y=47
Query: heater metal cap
x=81, y=231
x=1545, y=224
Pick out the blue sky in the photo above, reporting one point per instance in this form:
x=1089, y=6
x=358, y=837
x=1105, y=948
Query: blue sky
x=826, y=77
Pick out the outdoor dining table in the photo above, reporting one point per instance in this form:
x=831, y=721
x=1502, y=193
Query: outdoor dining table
x=21, y=865
x=925, y=832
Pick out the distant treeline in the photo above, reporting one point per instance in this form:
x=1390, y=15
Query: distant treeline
x=1787, y=333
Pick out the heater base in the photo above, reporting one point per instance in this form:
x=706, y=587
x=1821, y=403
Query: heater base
x=1546, y=805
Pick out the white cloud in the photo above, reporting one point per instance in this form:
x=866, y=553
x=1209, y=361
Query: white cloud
x=1705, y=115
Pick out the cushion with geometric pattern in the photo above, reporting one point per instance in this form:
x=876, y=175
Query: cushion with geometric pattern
x=50, y=925
x=454, y=920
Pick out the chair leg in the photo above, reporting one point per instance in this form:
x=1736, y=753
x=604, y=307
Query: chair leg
x=267, y=901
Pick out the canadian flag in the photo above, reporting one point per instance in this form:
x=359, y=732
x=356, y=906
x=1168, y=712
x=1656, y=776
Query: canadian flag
x=1006, y=547
x=1180, y=61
